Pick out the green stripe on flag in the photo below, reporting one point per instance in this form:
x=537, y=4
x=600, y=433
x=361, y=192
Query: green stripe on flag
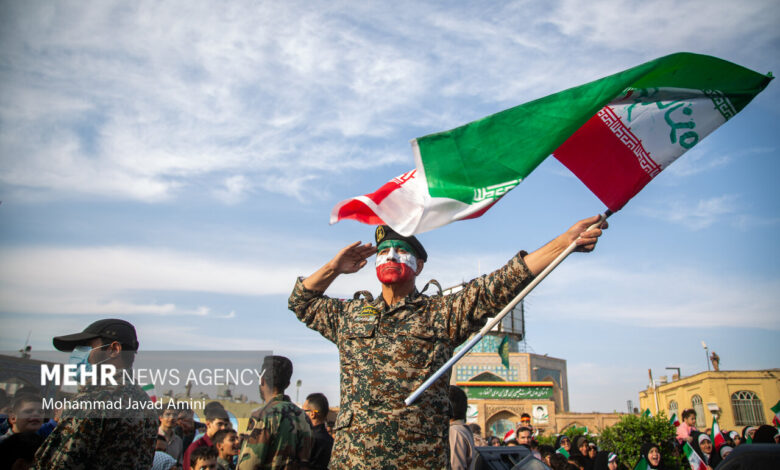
x=505, y=147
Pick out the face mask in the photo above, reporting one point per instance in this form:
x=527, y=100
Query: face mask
x=80, y=358
x=393, y=267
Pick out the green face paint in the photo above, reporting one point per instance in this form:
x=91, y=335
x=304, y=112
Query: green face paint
x=397, y=244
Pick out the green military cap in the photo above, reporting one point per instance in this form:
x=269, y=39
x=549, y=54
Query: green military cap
x=385, y=233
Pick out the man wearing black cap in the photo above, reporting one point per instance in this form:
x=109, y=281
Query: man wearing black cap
x=388, y=346
x=97, y=435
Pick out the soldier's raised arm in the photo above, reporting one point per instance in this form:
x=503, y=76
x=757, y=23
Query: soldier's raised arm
x=349, y=260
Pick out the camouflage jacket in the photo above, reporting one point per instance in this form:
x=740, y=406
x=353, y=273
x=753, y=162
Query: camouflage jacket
x=279, y=437
x=386, y=352
x=103, y=439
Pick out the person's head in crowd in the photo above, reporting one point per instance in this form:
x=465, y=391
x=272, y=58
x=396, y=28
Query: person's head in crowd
x=160, y=443
x=705, y=443
x=558, y=462
x=216, y=418
x=735, y=438
x=748, y=432
x=765, y=434
x=592, y=450
x=510, y=438
x=689, y=417
x=276, y=377
x=545, y=451
x=110, y=341
x=524, y=436
x=17, y=451
x=652, y=453
x=316, y=408
x=26, y=414
x=167, y=419
x=612, y=461
x=203, y=458
x=605, y=460
x=579, y=446
x=475, y=429
x=563, y=441
x=459, y=403
x=495, y=441
x=226, y=442
x=163, y=461
x=725, y=451
x=525, y=420
x=186, y=421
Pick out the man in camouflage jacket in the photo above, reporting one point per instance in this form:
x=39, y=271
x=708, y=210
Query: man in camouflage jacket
x=279, y=434
x=103, y=438
x=388, y=346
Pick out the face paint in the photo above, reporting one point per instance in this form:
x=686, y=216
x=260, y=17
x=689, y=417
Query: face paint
x=393, y=267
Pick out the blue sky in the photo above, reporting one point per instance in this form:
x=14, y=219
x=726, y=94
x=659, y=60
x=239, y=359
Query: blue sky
x=175, y=164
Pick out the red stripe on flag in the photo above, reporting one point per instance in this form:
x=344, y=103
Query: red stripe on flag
x=481, y=211
x=608, y=158
x=357, y=210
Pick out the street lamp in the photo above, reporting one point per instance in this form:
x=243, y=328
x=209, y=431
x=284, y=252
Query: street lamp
x=298, y=391
x=706, y=354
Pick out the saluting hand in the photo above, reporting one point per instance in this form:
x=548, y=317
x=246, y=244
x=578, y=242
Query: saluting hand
x=352, y=258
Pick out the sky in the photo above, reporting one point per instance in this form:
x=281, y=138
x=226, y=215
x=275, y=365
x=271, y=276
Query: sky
x=175, y=163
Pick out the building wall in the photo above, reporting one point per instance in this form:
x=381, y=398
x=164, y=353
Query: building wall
x=523, y=367
x=716, y=389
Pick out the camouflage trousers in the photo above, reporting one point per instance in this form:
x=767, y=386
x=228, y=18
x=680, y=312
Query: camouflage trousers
x=387, y=446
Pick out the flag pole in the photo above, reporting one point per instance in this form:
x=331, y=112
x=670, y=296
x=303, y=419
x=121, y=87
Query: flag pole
x=494, y=321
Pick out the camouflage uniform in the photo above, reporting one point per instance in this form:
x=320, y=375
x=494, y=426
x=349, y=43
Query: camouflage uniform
x=387, y=352
x=102, y=439
x=279, y=437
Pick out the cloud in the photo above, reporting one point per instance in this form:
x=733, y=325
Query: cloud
x=697, y=215
x=659, y=296
x=104, y=280
x=148, y=101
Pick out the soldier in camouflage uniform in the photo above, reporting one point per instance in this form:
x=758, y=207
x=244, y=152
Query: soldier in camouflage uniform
x=279, y=433
x=103, y=438
x=388, y=346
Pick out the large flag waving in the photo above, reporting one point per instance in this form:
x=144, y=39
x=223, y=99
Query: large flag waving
x=615, y=134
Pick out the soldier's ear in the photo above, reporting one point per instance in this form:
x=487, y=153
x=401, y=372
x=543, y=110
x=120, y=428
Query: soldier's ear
x=420, y=264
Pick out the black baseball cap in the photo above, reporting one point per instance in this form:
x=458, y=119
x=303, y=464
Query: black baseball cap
x=110, y=328
x=384, y=232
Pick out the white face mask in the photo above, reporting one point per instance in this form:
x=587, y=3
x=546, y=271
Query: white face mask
x=393, y=256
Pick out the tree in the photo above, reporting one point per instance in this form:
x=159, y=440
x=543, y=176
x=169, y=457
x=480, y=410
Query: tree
x=627, y=436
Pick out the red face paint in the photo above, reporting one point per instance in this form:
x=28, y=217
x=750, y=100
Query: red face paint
x=392, y=272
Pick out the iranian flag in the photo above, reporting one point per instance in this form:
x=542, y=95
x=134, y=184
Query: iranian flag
x=615, y=134
x=776, y=410
x=716, y=435
x=694, y=460
x=674, y=419
x=149, y=389
x=563, y=452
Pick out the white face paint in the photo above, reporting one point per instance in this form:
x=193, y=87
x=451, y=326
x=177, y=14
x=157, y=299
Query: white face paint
x=394, y=256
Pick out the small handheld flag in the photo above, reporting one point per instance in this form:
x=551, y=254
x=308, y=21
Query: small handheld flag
x=674, y=420
x=694, y=460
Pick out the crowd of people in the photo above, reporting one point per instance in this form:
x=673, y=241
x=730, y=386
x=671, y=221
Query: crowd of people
x=583, y=453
